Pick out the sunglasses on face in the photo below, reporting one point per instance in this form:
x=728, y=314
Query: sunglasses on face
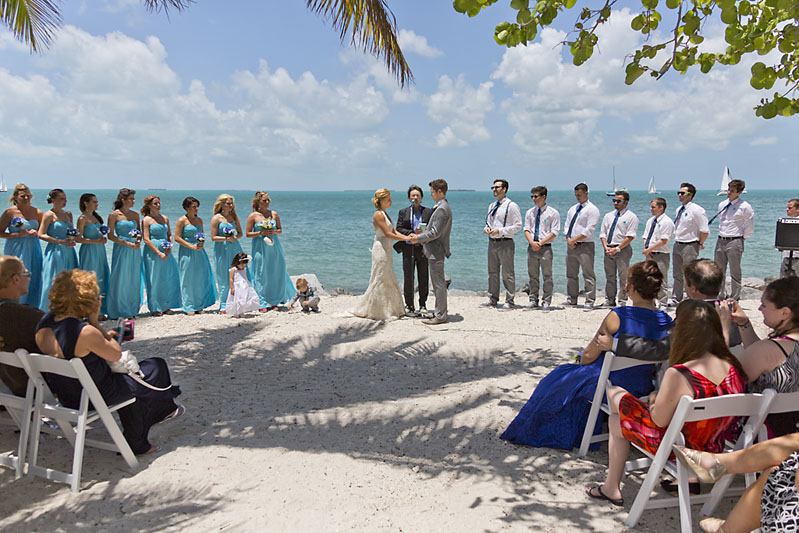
x=534, y=196
x=25, y=274
x=680, y=193
x=495, y=187
x=618, y=201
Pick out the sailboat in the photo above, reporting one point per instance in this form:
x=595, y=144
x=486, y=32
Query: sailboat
x=615, y=189
x=3, y=187
x=652, y=188
x=725, y=183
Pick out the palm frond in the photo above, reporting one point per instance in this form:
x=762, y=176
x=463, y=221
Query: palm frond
x=165, y=5
x=34, y=22
x=374, y=28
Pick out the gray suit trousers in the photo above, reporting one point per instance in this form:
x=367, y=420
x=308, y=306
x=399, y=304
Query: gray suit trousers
x=500, y=254
x=730, y=251
x=617, y=264
x=682, y=253
x=580, y=257
x=540, y=262
x=439, y=286
x=784, y=265
x=663, y=259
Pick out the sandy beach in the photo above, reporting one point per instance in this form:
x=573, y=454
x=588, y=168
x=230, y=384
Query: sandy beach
x=298, y=422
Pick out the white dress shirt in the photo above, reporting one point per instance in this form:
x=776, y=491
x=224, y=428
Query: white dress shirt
x=736, y=221
x=626, y=226
x=692, y=222
x=664, y=229
x=586, y=222
x=549, y=223
x=507, y=219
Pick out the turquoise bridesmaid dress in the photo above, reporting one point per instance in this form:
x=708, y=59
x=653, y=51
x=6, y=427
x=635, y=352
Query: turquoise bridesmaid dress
x=92, y=258
x=161, y=278
x=125, y=283
x=270, y=279
x=57, y=257
x=197, y=290
x=29, y=250
x=224, y=252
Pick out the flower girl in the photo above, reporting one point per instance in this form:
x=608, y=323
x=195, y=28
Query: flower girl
x=242, y=298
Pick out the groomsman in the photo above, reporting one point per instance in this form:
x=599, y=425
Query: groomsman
x=736, y=224
x=690, y=232
x=541, y=226
x=657, y=241
x=503, y=220
x=792, y=211
x=581, y=221
x=410, y=220
x=619, y=228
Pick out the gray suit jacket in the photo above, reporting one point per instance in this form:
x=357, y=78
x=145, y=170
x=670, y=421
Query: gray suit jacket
x=435, y=241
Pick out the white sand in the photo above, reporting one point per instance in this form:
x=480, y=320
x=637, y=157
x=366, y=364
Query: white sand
x=298, y=422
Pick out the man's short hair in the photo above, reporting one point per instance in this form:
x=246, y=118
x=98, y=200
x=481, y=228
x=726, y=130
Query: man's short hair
x=439, y=185
x=623, y=194
x=415, y=188
x=9, y=267
x=794, y=203
x=705, y=276
x=690, y=187
x=737, y=185
x=502, y=182
x=660, y=202
x=581, y=187
x=540, y=190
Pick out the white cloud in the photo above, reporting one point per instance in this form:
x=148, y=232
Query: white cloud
x=764, y=141
x=417, y=44
x=461, y=108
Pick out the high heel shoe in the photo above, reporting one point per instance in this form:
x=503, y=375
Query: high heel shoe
x=690, y=459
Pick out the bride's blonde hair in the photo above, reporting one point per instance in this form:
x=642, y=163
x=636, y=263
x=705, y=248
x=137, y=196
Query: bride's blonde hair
x=380, y=195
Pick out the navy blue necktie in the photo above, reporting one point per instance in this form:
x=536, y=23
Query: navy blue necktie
x=494, y=210
x=537, y=223
x=613, y=227
x=679, y=215
x=651, y=231
x=723, y=209
x=574, y=219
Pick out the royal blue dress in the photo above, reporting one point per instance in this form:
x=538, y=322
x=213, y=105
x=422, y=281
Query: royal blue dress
x=197, y=289
x=57, y=257
x=224, y=252
x=556, y=413
x=29, y=250
x=270, y=279
x=125, y=284
x=92, y=258
x=161, y=278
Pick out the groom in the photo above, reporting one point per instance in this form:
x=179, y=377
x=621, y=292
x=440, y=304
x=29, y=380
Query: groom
x=435, y=241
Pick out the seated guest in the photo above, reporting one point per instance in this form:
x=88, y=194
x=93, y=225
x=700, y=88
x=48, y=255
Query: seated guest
x=701, y=367
x=556, y=413
x=75, y=296
x=17, y=321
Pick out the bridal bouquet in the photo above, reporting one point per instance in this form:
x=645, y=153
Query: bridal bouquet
x=228, y=232
x=199, y=237
x=135, y=235
x=16, y=222
x=166, y=246
x=103, y=229
x=72, y=233
x=267, y=224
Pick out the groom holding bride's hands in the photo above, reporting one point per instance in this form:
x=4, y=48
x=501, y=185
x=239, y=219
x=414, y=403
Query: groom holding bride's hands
x=435, y=243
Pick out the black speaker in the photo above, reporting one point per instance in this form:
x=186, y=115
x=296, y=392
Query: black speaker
x=787, y=237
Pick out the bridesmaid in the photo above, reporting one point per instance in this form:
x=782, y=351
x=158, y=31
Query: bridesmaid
x=125, y=283
x=161, y=277
x=91, y=236
x=225, y=232
x=22, y=238
x=197, y=289
x=270, y=279
x=56, y=230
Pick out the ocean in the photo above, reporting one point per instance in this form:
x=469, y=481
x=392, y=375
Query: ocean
x=330, y=233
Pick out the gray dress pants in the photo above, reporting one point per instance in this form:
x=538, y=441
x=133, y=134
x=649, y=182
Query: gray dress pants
x=795, y=265
x=663, y=259
x=617, y=265
x=580, y=257
x=500, y=254
x=682, y=253
x=730, y=251
x=540, y=262
x=439, y=283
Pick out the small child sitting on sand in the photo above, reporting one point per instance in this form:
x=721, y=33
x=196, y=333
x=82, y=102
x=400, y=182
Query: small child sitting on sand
x=309, y=301
x=242, y=297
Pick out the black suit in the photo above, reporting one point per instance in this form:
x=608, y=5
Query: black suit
x=412, y=255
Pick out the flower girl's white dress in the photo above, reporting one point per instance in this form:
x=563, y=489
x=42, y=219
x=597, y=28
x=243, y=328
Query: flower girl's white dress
x=245, y=299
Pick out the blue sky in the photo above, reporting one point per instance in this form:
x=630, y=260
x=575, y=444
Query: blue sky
x=243, y=95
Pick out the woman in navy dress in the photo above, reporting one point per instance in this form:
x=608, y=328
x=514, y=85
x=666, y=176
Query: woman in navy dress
x=225, y=232
x=161, y=278
x=125, y=284
x=91, y=237
x=197, y=289
x=59, y=234
x=556, y=413
x=270, y=278
x=19, y=225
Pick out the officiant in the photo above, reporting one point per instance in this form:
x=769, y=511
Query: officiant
x=413, y=219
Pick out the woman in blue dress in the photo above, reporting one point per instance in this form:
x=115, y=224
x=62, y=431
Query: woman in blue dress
x=225, y=232
x=161, y=277
x=197, y=289
x=91, y=237
x=59, y=234
x=125, y=283
x=556, y=413
x=19, y=225
x=270, y=278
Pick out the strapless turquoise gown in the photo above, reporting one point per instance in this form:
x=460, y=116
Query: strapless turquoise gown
x=57, y=257
x=224, y=252
x=92, y=258
x=197, y=290
x=161, y=278
x=125, y=284
x=29, y=250
x=270, y=279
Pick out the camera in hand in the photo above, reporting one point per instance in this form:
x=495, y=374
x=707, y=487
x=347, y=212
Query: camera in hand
x=125, y=330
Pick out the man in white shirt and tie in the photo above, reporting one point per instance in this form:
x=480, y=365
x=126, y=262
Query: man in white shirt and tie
x=618, y=230
x=541, y=226
x=657, y=242
x=581, y=222
x=503, y=220
x=736, y=224
x=690, y=232
x=793, y=212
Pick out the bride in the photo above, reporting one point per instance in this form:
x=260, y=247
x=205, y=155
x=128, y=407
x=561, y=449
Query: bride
x=382, y=299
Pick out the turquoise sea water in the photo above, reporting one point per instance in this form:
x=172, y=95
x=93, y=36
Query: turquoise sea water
x=330, y=233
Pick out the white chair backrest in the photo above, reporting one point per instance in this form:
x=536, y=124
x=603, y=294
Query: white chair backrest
x=727, y=405
x=785, y=402
x=10, y=359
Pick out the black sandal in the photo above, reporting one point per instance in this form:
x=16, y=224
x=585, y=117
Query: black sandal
x=599, y=495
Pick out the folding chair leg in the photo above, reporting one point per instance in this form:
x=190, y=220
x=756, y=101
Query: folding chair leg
x=24, y=431
x=80, y=439
x=35, y=432
x=645, y=492
x=593, y=414
x=684, y=497
x=119, y=439
x=718, y=492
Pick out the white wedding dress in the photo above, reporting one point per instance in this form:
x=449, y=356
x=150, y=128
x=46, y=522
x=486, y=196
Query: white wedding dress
x=382, y=299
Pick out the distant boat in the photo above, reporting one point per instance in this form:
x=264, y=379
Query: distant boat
x=3, y=187
x=725, y=183
x=652, y=188
x=615, y=188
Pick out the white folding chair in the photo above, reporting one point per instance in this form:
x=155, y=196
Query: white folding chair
x=753, y=406
x=45, y=404
x=20, y=409
x=611, y=363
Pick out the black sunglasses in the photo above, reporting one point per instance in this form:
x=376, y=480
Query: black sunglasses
x=618, y=201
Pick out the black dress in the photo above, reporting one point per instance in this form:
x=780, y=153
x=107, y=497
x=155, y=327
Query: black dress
x=137, y=418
